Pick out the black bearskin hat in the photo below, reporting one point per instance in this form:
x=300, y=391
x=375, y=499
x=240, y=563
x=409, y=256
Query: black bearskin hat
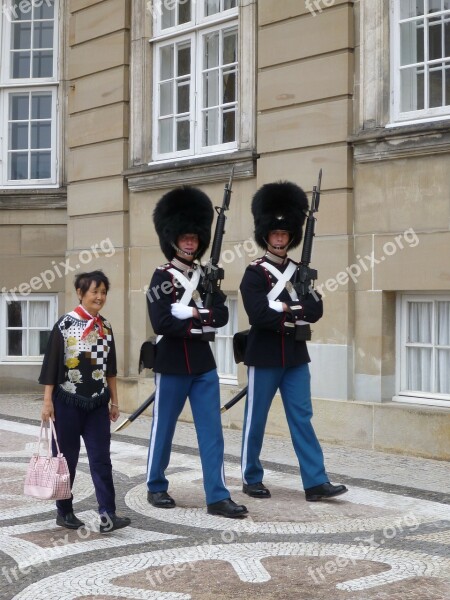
x=280, y=205
x=183, y=210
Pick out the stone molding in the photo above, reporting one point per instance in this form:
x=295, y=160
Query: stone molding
x=401, y=142
x=33, y=199
x=193, y=171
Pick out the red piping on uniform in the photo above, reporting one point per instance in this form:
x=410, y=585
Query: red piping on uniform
x=282, y=341
x=186, y=357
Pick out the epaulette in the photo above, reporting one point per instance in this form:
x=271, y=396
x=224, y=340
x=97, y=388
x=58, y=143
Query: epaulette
x=257, y=262
x=163, y=267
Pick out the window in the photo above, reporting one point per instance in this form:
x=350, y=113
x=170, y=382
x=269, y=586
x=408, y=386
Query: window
x=26, y=323
x=421, y=53
x=425, y=348
x=28, y=93
x=222, y=347
x=196, y=78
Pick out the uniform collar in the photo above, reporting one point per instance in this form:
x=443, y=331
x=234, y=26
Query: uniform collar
x=183, y=265
x=278, y=260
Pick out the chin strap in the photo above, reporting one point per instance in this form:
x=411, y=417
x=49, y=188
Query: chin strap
x=182, y=252
x=279, y=248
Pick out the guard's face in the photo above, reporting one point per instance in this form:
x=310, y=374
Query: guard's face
x=188, y=242
x=279, y=239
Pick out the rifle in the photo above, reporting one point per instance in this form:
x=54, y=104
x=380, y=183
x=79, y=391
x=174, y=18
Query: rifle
x=234, y=400
x=136, y=413
x=214, y=274
x=304, y=276
x=151, y=399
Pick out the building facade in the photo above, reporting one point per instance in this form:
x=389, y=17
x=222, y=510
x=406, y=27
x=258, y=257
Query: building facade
x=107, y=104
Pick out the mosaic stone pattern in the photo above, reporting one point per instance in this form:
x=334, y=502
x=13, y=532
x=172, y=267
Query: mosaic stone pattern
x=387, y=538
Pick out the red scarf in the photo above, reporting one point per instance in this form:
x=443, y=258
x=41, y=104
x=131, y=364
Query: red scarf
x=92, y=322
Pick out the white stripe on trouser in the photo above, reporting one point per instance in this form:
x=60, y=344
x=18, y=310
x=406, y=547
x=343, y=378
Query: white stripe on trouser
x=154, y=425
x=250, y=397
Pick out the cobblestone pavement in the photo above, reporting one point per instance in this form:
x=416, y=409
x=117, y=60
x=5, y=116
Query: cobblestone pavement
x=387, y=538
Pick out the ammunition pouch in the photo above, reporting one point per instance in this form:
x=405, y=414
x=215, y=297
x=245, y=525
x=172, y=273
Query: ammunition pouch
x=239, y=345
x=147, y=354
x=208, y=335
x=302, y=333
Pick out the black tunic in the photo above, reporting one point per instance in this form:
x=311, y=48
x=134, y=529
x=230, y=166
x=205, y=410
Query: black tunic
x=270, y=342
x=181, y=351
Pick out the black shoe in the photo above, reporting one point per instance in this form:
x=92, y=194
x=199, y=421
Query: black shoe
x=69, y=521
x=111, y=522
x=256, y=490
x=160, y=500
x=326, y=490
x=227, y=508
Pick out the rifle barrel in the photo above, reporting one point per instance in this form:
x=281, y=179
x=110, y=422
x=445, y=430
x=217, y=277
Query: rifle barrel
x=234, y=400
x=136, y=413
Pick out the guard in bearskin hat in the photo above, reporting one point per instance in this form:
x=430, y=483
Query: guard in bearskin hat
x=184, y=363
x=275, y=358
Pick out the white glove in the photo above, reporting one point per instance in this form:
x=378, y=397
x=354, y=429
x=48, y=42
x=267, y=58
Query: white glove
x=181, y=311
x=276, y=305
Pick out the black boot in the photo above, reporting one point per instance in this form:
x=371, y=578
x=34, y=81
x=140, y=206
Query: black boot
x=324, y=491
x=111, y=522
x=227, y=508
x=160, y=499
x=256, y=490
x=69, y=521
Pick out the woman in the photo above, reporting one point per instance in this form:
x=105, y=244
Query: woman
x=79, y=374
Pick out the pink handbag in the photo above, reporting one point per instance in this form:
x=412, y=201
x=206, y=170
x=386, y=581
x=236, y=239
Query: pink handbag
x=48, y=476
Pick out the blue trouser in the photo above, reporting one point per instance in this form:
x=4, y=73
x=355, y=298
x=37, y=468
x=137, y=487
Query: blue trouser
x=204, y=397
x=294, y=385
x=93, y=426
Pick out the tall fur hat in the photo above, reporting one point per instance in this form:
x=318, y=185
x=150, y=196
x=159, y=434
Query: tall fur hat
x=280, y=205
x=183, y=210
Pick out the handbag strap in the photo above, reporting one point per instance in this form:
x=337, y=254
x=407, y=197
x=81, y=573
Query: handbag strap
x=48, y=439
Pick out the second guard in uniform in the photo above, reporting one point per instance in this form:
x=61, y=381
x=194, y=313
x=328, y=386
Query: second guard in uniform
x=184, y=364
x=275, y=357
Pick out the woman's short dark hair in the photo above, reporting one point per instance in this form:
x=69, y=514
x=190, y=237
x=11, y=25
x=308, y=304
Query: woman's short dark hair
x=83, y=281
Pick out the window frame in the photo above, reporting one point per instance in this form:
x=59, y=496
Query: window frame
x=9, y=86
x=156, y=104
x=194, y=30
x=19, y=183
x=403, y=394
x=199, y=149
x=52, y=300
x=399, y=117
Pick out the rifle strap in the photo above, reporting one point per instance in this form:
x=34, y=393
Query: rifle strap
x=282, y=279
x=189, y=285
